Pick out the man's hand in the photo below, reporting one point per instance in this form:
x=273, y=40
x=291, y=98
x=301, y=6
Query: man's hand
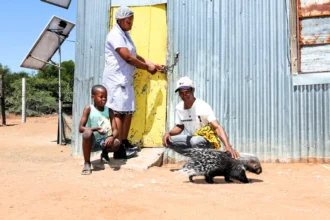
x=234, y=153
x=109, y=141
x=166, y=138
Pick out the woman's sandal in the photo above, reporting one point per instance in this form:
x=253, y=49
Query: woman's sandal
x=87, y=170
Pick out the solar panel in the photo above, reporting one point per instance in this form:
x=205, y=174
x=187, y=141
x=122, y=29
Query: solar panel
x=48, y=43
x=61, y=3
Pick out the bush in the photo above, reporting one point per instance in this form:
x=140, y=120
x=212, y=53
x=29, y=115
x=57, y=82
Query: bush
x=41, y=89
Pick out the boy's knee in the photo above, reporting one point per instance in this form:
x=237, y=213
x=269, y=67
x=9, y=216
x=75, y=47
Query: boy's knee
x=87, y=134
x=115, y=146
x=116, y=142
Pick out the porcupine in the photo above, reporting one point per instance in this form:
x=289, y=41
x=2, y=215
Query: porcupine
x=210, y=163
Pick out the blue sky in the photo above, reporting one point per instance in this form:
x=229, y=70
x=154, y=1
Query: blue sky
x=21, y=23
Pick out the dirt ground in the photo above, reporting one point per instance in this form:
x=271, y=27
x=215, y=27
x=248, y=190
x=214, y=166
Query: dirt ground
x=40, y=180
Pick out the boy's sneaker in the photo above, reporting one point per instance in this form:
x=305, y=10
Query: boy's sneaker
x=123, y=153
x=105, y=156
x=129, y=145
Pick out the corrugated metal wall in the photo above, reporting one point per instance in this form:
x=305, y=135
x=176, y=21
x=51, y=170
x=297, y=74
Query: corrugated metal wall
x=238, y=54
x=92, y=28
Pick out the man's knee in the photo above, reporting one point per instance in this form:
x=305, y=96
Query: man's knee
x=198, y=141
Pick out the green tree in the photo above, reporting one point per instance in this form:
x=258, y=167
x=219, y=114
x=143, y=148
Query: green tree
x=4, y=71
x=13, y=98
x=41, y=89
x=38, y=101
x=50, y=73
x=68, y=72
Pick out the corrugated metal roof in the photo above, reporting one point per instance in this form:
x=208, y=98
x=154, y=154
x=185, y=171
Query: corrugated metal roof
x=237, y=52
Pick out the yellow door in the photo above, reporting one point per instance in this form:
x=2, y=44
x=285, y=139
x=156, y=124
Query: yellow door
x=149, y=33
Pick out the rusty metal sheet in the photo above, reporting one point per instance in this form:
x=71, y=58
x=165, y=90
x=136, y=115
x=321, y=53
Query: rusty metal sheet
x=315, y=31
x=314, y=8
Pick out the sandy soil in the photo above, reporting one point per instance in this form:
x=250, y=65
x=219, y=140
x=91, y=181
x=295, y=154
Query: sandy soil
x=40, y=180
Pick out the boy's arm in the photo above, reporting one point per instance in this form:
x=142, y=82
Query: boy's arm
x=84, y=119
x=113, y=124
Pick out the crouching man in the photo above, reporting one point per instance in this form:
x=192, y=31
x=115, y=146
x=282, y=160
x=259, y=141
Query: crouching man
x=197, y=118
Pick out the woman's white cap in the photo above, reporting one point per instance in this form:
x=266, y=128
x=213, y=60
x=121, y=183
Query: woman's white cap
x=123, y=12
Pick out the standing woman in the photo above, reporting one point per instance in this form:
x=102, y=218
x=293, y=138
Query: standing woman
x=121, y=61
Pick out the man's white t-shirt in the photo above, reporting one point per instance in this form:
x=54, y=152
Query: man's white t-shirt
x=199, y=115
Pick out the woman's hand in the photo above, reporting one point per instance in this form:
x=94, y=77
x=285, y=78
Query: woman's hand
x=151, y=68
x=160, y=68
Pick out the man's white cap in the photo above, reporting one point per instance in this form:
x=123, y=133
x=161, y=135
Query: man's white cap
x=184, y=83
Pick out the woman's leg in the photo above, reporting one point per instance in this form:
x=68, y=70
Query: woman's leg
x=123, y=125
x=119, y=122
x=127, y=119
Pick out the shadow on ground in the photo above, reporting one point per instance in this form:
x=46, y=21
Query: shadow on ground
x=8, y=125
x=222, y=181
x=114, y=164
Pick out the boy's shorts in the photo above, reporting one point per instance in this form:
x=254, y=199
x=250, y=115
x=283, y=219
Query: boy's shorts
x=98, y=145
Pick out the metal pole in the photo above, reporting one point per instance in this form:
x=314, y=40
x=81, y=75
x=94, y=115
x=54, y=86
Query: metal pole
x=23, y=100
x=59, y=93
x=36, y=58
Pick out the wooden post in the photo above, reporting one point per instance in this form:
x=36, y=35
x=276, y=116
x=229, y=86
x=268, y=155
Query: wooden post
x=23, y=100
x=293, y=37
x=2, y=98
